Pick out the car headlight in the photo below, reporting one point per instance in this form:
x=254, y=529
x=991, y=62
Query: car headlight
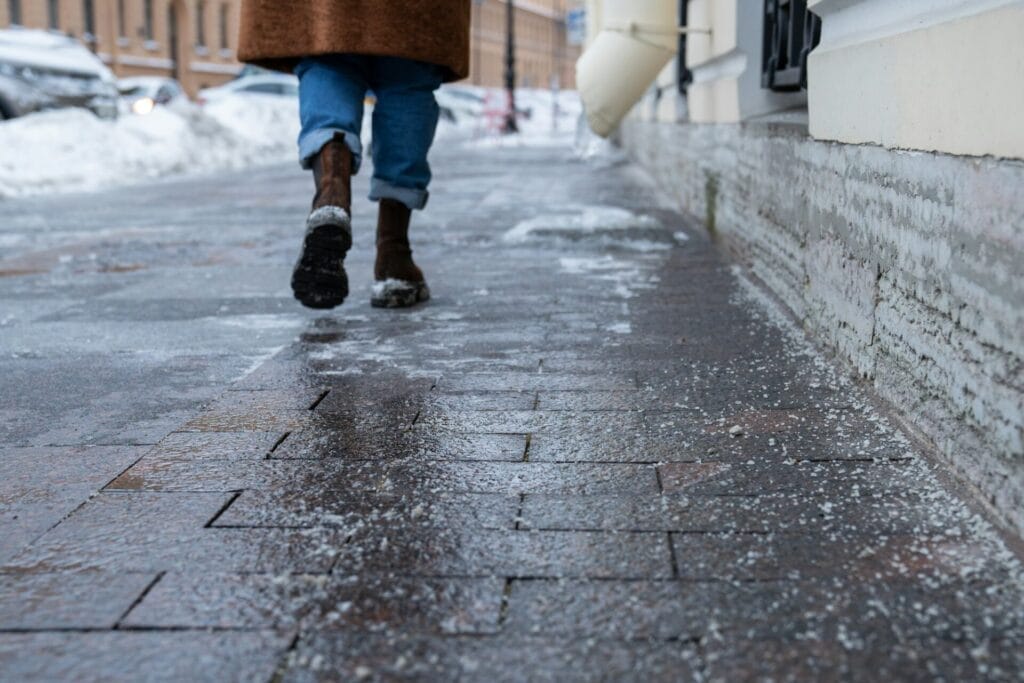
x=143, y=106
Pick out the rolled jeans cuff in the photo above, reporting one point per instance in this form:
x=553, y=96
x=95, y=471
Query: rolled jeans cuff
x=312, y=142
x=410, y=196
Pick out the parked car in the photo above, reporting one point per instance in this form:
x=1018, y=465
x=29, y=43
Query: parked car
x=40, y=70
x=142, y=94
x=273, y=84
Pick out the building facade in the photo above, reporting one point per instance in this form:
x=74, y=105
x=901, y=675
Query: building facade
x=543, y=55
x=865, y=159
x=195, y=40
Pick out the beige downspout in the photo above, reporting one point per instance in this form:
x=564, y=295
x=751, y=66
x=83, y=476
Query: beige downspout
x=637, y=38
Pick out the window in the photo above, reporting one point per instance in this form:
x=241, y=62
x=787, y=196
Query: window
x=790, y=33
x=120, y=18
x=224, y=9
x=14, y=11
x=148, y=19
x=90, y=17
x=200, y=23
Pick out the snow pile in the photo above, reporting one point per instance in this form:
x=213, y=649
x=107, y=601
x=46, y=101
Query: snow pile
x=626, y=276
x=71, y=150
x=589, y=146
x=581, y=220
x=267, y=122
x=551, y=122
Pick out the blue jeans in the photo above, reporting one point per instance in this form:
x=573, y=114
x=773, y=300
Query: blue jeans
x=331, y=93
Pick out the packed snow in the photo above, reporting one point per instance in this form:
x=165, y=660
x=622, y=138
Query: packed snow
x=71, y=150
x=580, y=219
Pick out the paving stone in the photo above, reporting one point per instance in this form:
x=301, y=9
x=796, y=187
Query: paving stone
x=807, y=478
x=526, y=477
x=326, y=657
x=426, y=477
x=455, y=552
x=968, y=611
x=215, y=446
x=153, y=532
x=632, y=610
x=23, y=523
x=374, y=603
x=67, y=600
x=581, y=401
x=522, y=422
x=379, y=392
x=793, y=513
x=818, y=433
x=43, y=485
x=104, y=394
x=717, y=388
x=65, y=474
x=534, y=381
x=248, y=419
x=113, y=656
x=173, y=475
x=607, y=446
x=474, y=401
x=747, y=556
x=291, y=398
x=385, y=421
x=282, y=373
x=297, y=506
x=608, y=511
x=791, y=611
x=243, y=550
x=857, y=661
x=314, y=444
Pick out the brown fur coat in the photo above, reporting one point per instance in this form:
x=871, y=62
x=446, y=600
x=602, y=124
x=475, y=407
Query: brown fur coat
x=276, y=33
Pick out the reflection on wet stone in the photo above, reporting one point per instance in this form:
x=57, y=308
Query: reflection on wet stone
x=336, y=602
x=309, y=507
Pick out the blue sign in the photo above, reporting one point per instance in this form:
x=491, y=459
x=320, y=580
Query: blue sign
x=576, y=26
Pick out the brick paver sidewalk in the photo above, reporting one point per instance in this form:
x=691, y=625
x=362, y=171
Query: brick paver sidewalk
x=598, y=454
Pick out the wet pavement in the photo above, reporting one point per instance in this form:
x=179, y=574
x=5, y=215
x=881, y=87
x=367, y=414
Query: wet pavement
x=600, y=453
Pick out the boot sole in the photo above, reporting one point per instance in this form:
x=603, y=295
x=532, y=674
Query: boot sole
x=319, y=279
x=399, y=294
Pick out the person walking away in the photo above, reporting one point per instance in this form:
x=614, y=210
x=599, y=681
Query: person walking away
x=341, y=50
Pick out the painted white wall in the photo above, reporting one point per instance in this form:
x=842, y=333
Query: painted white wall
x=936, y=75
x=727, y=65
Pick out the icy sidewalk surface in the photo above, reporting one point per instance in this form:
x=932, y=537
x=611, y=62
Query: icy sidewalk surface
x=599, y=453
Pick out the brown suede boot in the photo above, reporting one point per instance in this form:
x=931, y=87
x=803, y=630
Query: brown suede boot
x=398, y=282
x=319, y=279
